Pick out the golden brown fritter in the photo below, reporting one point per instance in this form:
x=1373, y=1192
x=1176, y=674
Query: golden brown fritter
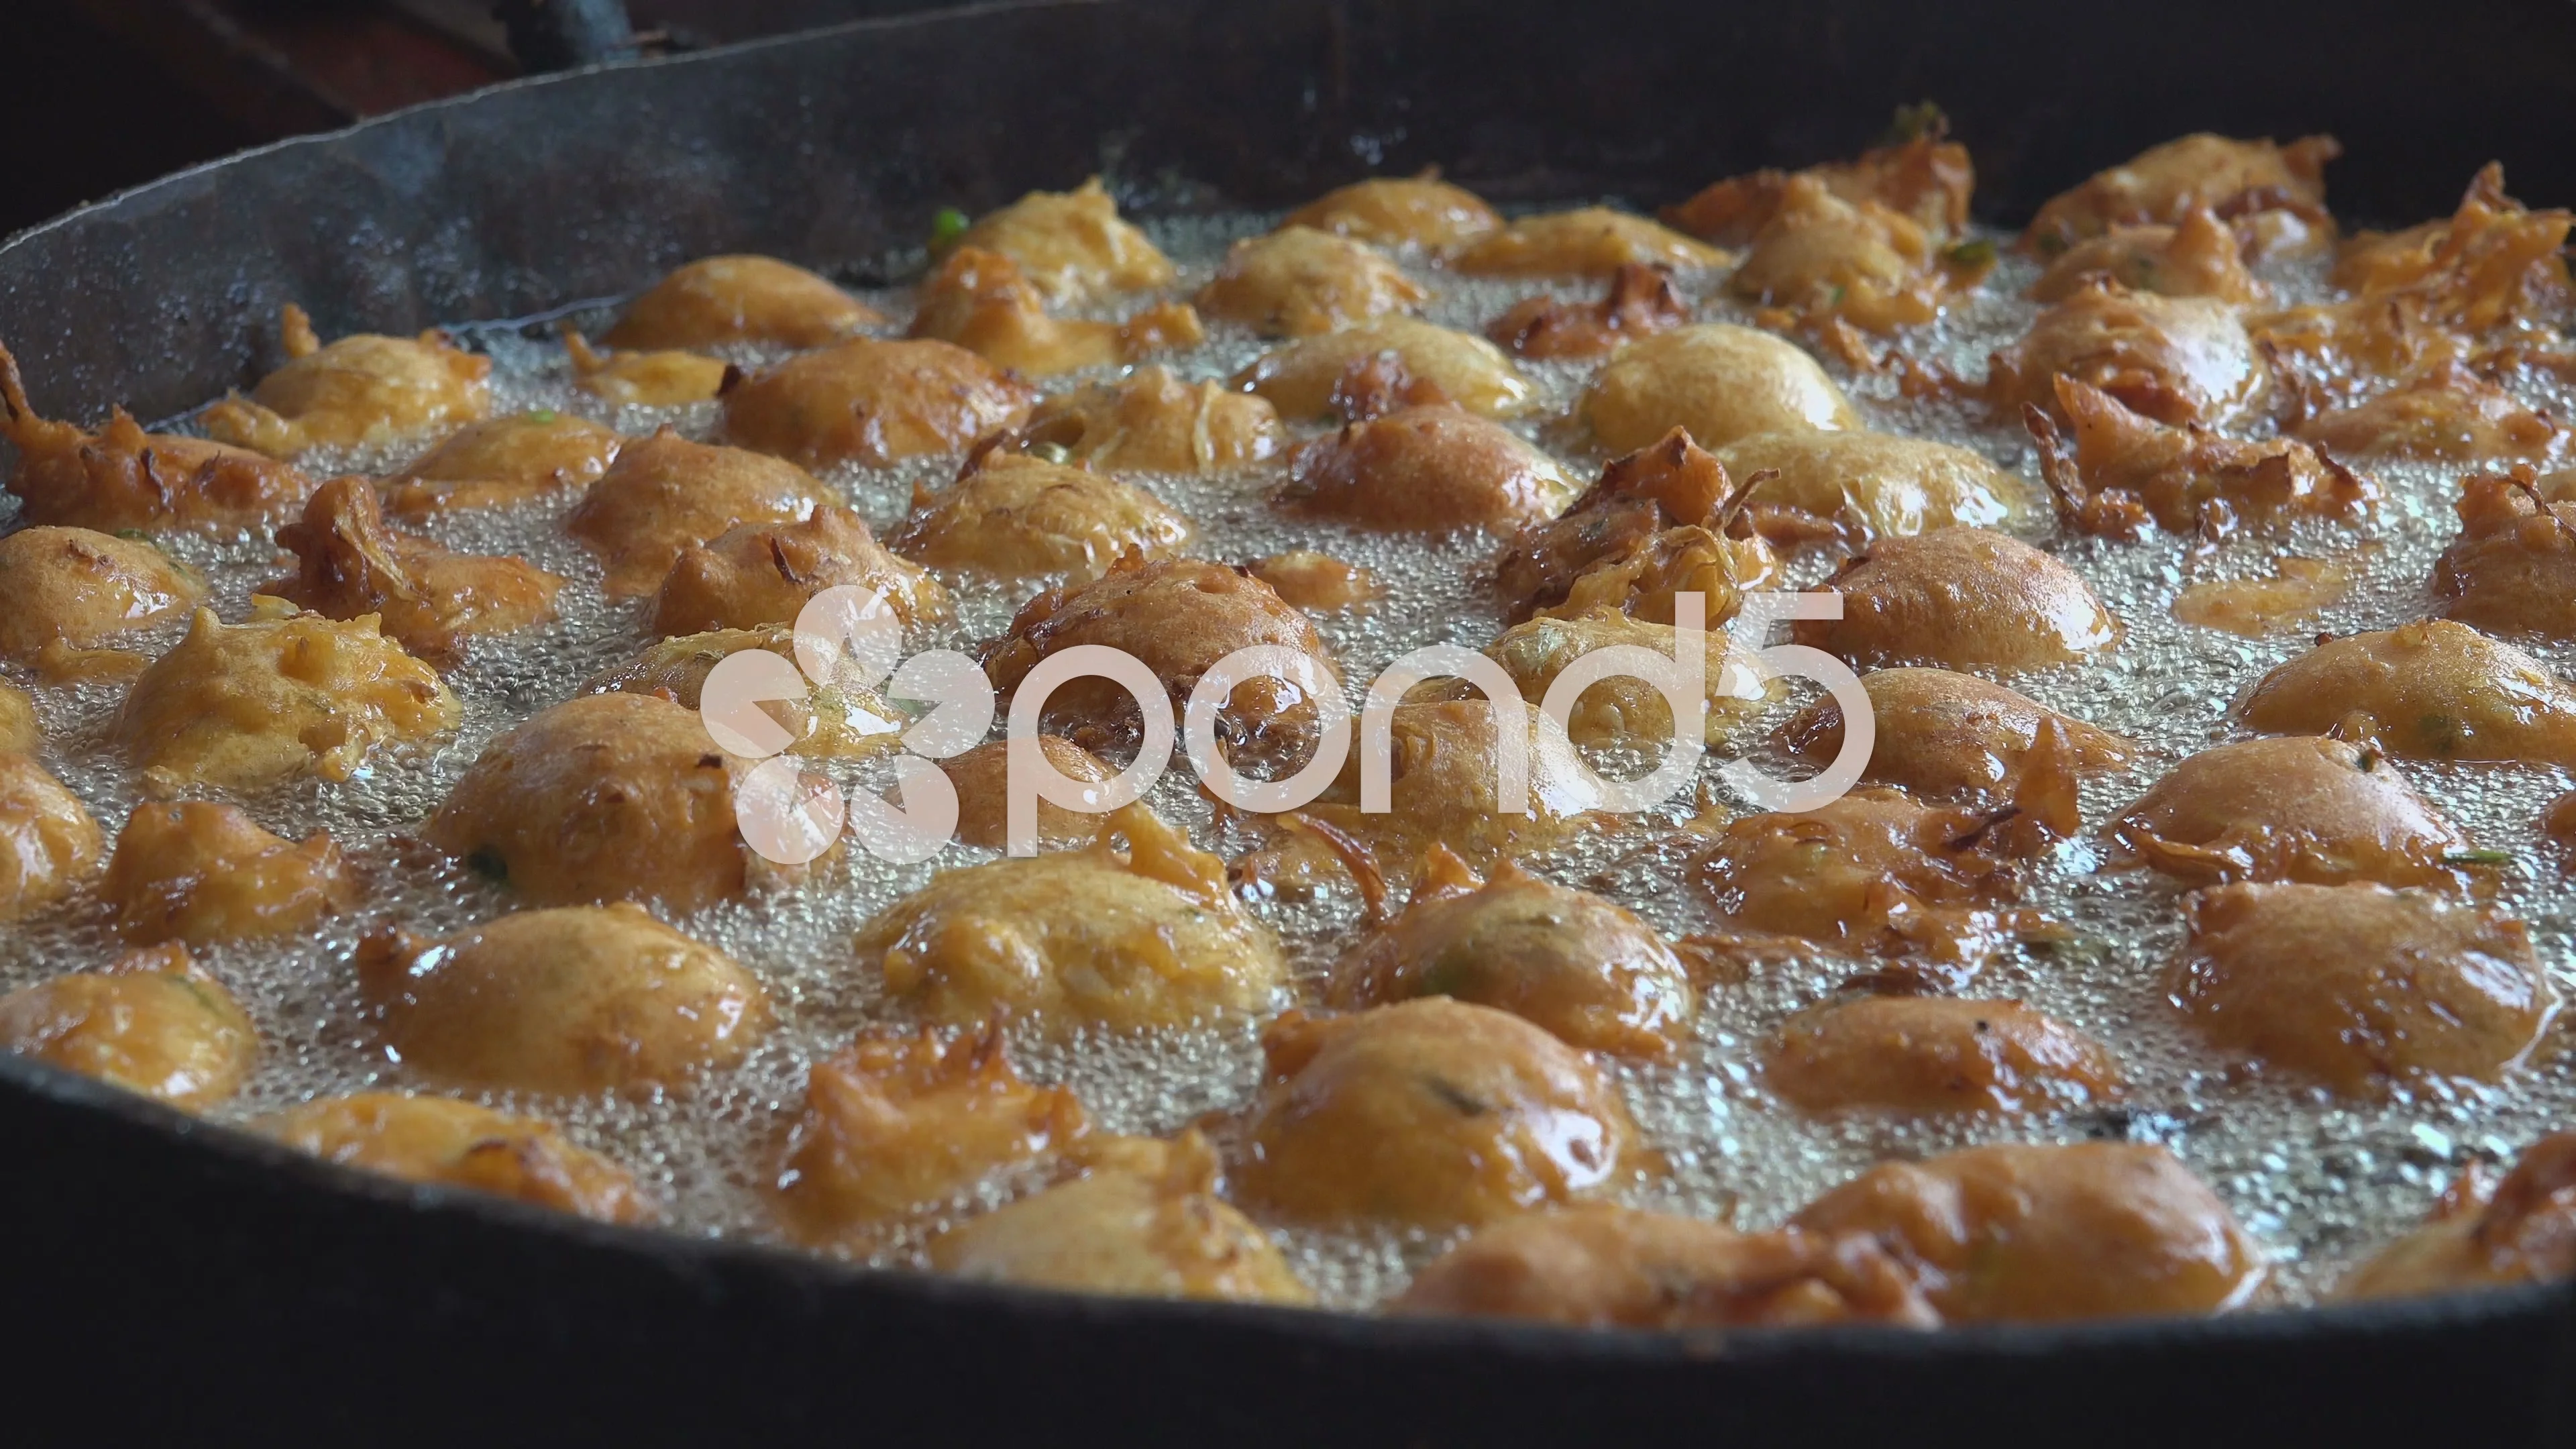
x=1421, y=212
x=1857, y=486
x=2012, y=1232
x=665, y=493
x=666, y=378
x=1640, y=303
x=1444, y=768
x=2490, y=234
x=981, y=301
x=204, y=873
x=1298, y=280
x=2356, y=985
x=874, y=403
x=2297, y=589
x=577, y=1000
x=2512, y=569
x=1582, y=966
x=1072, y=244
x=1622, y=710
x=1925, y=1055
x=458, y=1144
x=122, y=477
x=1301, y=377
x=1874, y=873
x=1719, y=381
x=2294, y=808
x=501, y=461
x=242, y=706
x=2174, y=359
x=1925, y=176
x=1145, y=937
x=605, y=797
x=48, y=842
x=1429, y=469
x=363, y=388
x=2197, y=256
x=839, y=720
x=2446, y=414
x=1151, y=422
x=982, y=780
x=73, y=594
x=1599, y=1266
x=1951, y=738
x=898, y=1122
x=730, y=300
x=21, y=733
x=1430, y=1114
x=1654, y=525
x=765, y=573
x=2484, y=1233
x=1962, y=598
x=1870, y=265
x=427, y=599
x=1020, y=516
x=2162, y=184
x=1318, y=582
x=1178, y=617
x=2126, y=469
x=2428, y=690
x=1144, y=1222
x=1591, y=241
x=151, y=1022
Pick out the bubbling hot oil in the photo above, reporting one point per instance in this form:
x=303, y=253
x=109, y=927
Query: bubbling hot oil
x=2318, y=1181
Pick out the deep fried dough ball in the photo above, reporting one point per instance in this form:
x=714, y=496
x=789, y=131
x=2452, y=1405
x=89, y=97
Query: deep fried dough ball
x=2357, y=984
x=1431, y=469
x=1720, y=381
x=122, y=477
x=1430, y=1114
x=872, y=402
x=1146, y=937
x=666, y=378
x=729, y=300
x=363, y=388
x=838, y=720
x=426, y=598
x=1145, y=1222
x=1072, y=244
x=71, y=591
x=241, y=706
x=1020, y=516
x=981, y=301
x=48, y=842
x=1874, y=267
x=1873, y=873
x=1318, y=582
x=2161, y=184
x=501, y=461
x=1620, y=709
x=2195, y=257
x=2126, y=469
x=2427, y=690
x=1443, y=771
x=150, y=1022
x=205, y=873
x=1400, y=211
x=458, y=1144
x=21, y=733
x=1641, y=302
x=2093, y=1230
x=765, y=573
x=2522, y=1230
x=2445, y=414
x=2175, y=359
x=1297, y=281
x=1584, y=967
x=982, y=778
x=897, y=1122
x=1931, y=1054
x=2512, y=569
x=581, y=999
x=2490, y=231
x=1600, y=1266
x=1863, y=486
x=1179, y=617
x=1152, y=422
x=1299, y=377
x=1950, y=738
x=2296, y=808
x=1591, y=241
x=665, y=493
x=1961, y=598
x=602, y=798
x=1926, y=176
x=1651, y=527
